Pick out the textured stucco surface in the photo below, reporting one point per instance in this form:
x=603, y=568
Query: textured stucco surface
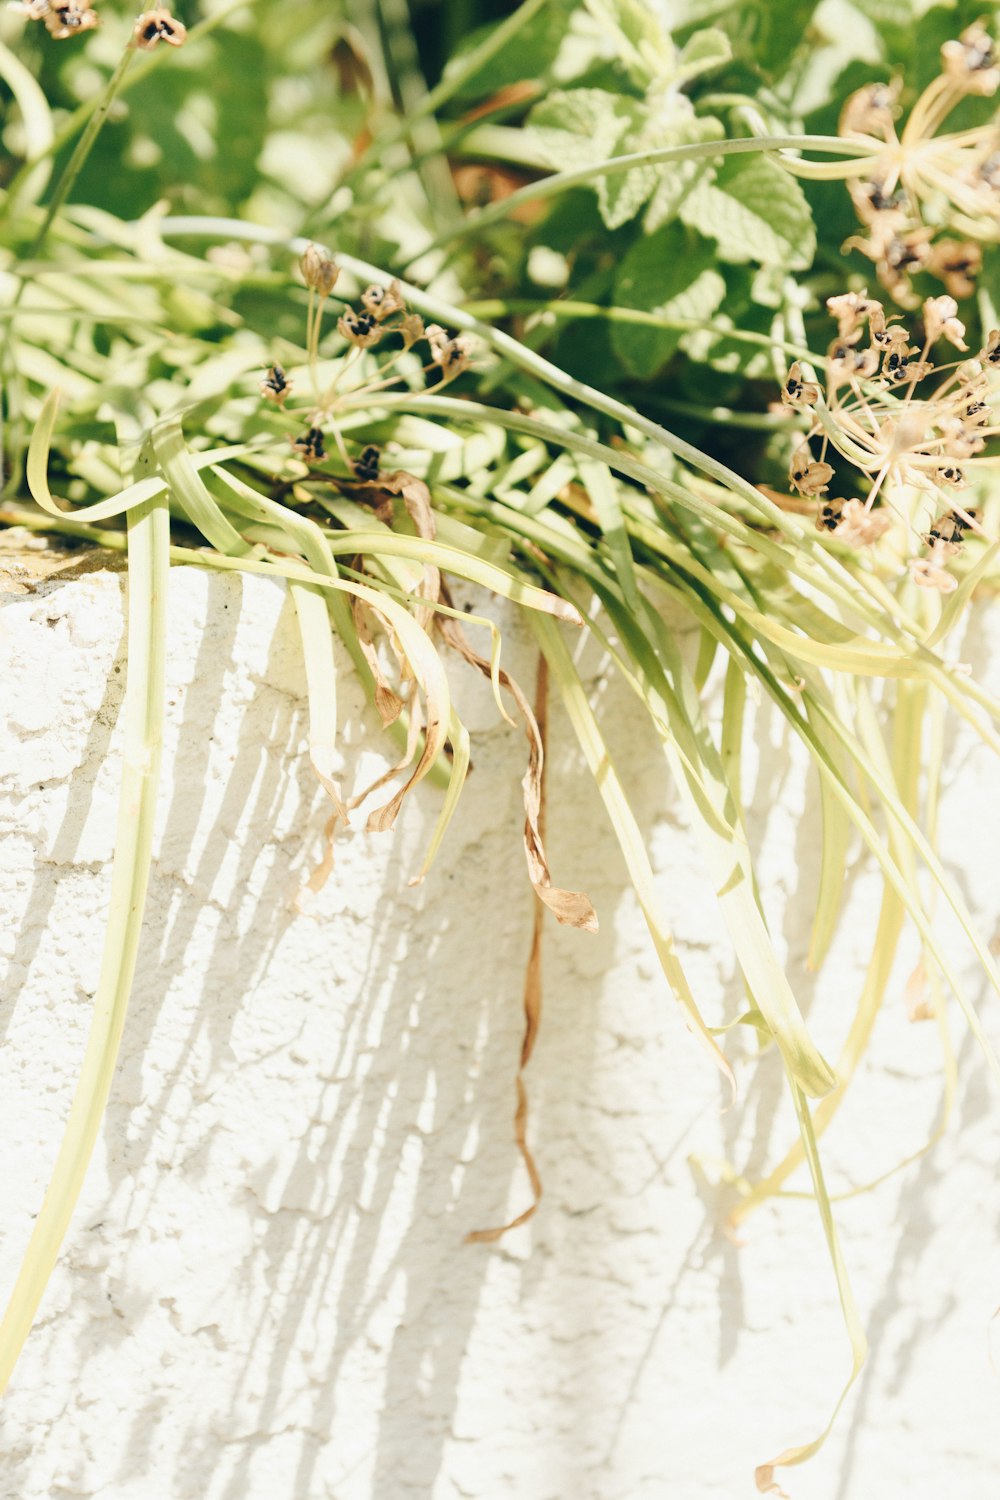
x=265, y=1293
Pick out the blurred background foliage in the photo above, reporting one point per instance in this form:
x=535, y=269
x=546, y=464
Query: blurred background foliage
x=289, y=115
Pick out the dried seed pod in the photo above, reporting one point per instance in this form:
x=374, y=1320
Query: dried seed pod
x=383, y=301
x=798, y=392
x=940, y=321
x=972, y=63
x=276, y=386
x=366, y=465
x=69, y=19
x=158, y=25
x=359, y=328
x=310, y=445
x=319, y=269
x=807, y=475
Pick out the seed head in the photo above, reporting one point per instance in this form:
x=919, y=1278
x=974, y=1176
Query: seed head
x=908, y=427
x=927, y=176
x=383, y=301
x=310, y=445
x=359, y=328
x=159, y=25
x=319, y=269
x=275, y=386
x=68, y=19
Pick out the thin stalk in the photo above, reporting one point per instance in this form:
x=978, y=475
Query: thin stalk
x=568, y=308
x=60, y=192
x=82, y=150
x=560, y=182
x=148, y=538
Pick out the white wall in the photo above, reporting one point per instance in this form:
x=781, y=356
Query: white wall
x=265, y=1294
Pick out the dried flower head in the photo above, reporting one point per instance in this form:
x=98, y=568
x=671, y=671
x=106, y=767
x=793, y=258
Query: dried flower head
x=276, y=386
x=808, y=476
x=798, y=392
x=366, y=465
x=852, y=522
x=383, y=301
x=905, y=440
x=69, y=19
x=971, y=64
x=155, y=26
x=360, y=329
x=319, y=269
x=925, y=176
x=310, y=445
x=451, y=355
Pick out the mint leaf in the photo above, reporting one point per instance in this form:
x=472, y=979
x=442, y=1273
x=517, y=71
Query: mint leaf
x=670, y=273
x=702, y=52
x=755, y=212
x=582, y=128
x=675, y=180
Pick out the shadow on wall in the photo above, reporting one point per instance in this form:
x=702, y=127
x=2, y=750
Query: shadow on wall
x=311, y=1113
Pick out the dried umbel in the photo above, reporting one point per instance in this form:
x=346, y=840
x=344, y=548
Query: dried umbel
x=922, y=182
x=914, y=431
x=366, y=329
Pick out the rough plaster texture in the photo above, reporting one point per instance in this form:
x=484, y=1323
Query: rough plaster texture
x=265, y=1293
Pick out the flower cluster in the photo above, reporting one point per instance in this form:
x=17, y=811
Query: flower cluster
x=922, y=181
x=63, y=18
x=913, y=429
x=381, y=312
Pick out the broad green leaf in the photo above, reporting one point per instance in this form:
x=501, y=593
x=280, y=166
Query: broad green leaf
x=529, y=53
x=673, y=183
x=755, y=211
x=702, y=52
x=582, y=127
x=670, y=273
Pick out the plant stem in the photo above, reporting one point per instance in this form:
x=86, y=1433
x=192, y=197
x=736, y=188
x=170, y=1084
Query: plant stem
x=82, y=150
x=149, y=538
x=60, y=192
x=560, y=182
x=499, y=307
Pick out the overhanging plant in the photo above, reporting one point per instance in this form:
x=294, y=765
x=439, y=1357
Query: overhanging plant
x=693, y=215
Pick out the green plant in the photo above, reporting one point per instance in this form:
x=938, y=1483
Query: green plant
x=677, y=253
